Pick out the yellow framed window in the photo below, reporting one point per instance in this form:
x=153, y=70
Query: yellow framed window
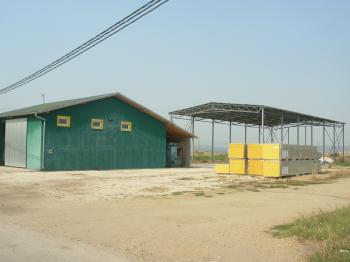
x=63, y=121
x=126, y=126
x=97, y=124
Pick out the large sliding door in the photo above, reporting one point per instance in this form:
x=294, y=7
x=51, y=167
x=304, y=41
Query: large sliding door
x=16, y=142
x=2, y=143
x=34, y=143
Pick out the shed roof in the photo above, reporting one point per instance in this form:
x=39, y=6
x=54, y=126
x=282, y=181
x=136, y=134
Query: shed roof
x=172, y=129
x=251, y=115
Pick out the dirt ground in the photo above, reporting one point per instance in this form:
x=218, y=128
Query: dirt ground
x=154, y=215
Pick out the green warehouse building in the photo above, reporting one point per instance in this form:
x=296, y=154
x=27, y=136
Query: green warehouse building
x=102, y=132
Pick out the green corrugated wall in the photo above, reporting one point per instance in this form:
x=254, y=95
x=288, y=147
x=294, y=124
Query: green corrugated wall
x=34, y=141
x=80, y=147
x=2, y=142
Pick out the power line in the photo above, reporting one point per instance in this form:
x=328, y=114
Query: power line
x=110, y=31
x=89, y=42
x=84, y=45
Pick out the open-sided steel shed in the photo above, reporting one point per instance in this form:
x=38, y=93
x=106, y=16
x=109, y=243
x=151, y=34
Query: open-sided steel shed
x=268, y=120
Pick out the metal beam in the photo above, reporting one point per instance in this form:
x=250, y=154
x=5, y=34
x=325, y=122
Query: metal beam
x=259, y=134
x=288, y=135
x=253, y=122
x=245, y=134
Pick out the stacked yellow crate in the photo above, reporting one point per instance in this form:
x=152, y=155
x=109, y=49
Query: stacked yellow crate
x=237, y=154
x=278, y=160
x=270, y=160
x=255, y=159
x=222, y=169
x=272, y=168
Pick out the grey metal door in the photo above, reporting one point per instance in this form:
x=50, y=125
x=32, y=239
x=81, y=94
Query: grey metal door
x=16, y=142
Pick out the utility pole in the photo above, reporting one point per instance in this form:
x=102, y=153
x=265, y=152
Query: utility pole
x=43, y=97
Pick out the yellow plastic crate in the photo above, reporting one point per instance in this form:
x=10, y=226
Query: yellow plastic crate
x=237, y=166
x=222, y=169
x=272, y=168
x=236, y=151
x=263, y=151
x=255, y=151
x=255, y=167
x=271, y=151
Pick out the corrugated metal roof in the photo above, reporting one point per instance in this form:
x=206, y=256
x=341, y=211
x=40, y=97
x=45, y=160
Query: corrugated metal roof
x=172, y=129
x=251, y=115
x=48, y=107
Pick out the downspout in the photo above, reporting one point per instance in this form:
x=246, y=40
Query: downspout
x=42, y=140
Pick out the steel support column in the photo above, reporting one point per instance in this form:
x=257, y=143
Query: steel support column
x=298, y=133
x=288, y=135
x=343, y=143
x=245, y=133
x=305, y=135
x=312, y=133
x=192, y=126
x=282, y=138
x=263, y=124
x=324, y=142
x=259, y=134
x=334, y=140
x=272, y=134
x=230, y=128
x=212, y=141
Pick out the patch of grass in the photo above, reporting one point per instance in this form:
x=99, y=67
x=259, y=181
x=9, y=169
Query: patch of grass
x=178, y=193
x=331, y=229
x=186, y=178
x=291, y=183
x=339, y=251
x=233, y=186
x=198, y=194
x=339, y=161
x=296, y=183
x=205, y=157
x=301, y=183
x=340, y=174
x=323, y=172
x=253, y=190
x=278, y=186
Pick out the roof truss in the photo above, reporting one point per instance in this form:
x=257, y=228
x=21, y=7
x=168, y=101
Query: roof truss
x=251, y=115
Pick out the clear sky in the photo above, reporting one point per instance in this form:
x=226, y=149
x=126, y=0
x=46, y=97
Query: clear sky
x=288, y=54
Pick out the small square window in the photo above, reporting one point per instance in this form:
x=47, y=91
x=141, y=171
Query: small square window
x=97, y=124
x=126, y=126
x=63, y=121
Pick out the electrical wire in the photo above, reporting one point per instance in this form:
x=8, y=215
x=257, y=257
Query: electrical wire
x=92, y=40
x=112, y=30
